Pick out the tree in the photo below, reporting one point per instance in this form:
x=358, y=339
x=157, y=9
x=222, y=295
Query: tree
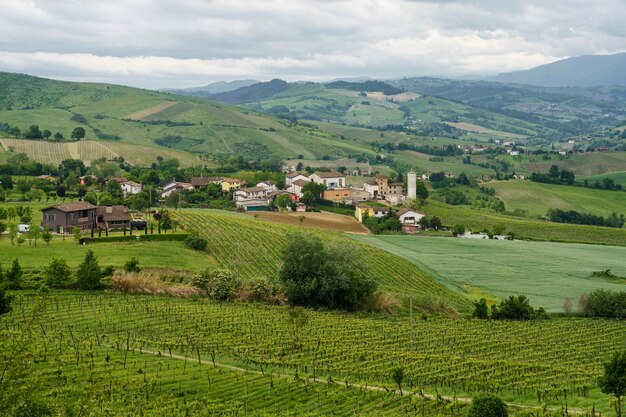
x=46, y=134
x=567, y=305
x=33, y=132
x=488, y=406
x=314, y=275
x=398, y=374
x=34, y=233
x=195, y=241
x=57, y=274
x=78, y=133
x=434, y=223
x=166, y=221
x=283, y=201
x=481, y=310
x=13, y=277
x=88, y=274
x=420, y=190
x=298, y=318
x=614, y=379
x=132, y=265
x=46, y=235
x=5, y=302
x=3, y=228
x=58, y=137
x=77, y=234
x=458, y=230
x=315, y=189
x=139, y=203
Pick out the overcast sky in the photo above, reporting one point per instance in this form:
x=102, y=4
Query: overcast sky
x=169, y=43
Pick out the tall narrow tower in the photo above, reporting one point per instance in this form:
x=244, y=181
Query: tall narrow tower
x=411, y=184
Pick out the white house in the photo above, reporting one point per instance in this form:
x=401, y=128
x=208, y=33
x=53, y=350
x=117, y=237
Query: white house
x=269, y=186
x=513, y=152
x=175, y=185
x=329, y=179
x=295, y=176
x=408, y=216
x=371, y=187
x=131, y=187
x=250, y=193
x=297, y=186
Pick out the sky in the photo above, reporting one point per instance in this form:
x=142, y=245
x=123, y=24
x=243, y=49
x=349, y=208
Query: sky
x=185, y=43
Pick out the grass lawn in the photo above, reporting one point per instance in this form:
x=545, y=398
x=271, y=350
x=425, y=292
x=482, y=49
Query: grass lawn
x=544, y=271
x=538, y=198
x=169, y=255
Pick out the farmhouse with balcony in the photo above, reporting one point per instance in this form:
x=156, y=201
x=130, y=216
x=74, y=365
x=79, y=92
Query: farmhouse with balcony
x=113, y=217
x=62, y=217
x=329, y=179
x=410, y=220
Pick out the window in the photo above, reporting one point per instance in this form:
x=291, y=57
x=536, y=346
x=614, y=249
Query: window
x=46, y=217
x=72, y=216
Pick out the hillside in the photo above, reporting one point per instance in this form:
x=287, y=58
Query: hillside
x=253, y=246
x=580, y=71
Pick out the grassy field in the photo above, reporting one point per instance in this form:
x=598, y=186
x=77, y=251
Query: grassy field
x=588, y=164
x=161, y=255
x=524, y=228
x=546, y=272
x=172, y=354
x=252, y=247
x=538, y=198
x=618, y=177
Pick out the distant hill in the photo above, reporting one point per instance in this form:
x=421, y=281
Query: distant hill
x=251, y=93
x=581, y=71
x=213, y=88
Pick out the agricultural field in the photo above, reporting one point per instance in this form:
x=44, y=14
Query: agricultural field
x=584, y=165
x=177, y=354
x=538, y=198
x=421, y=162
x=324, y=221
x=150, y=254
x=252, y=247
x=618, y=177
x=524, y=228
x=546, y=272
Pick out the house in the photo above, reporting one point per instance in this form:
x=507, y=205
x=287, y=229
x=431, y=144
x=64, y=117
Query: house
x=371, y=187
x=253, y=204
x=513, y=152
x=380, y=211
x=410, y=220
x=300, y=207
x=293, y=177
x=272, y=196
x=519, y=176
x=362, y=210
x=329, y=179
x=131, y=187
x=113, y=217
x=199, y=182
x=175, y=186
x=357, y=195
x=231, y=184
x=298, y=185
x=48, y=177
x=337, y=195
x=250, y=193
x=425, y=176
x=268, y=185
x=383, y=184
x=62, y=217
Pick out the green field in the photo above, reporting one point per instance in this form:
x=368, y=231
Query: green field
x=160, y=255
x=538, y=198
x=618, y=177
x=109, y=352
x=587, y=164
x=546, y=272
x=524, y=228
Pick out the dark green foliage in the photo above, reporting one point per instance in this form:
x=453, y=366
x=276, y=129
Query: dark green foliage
x=251, y=93
x=323, y=276
x=195, y=241
x=398, y=374
x=166, y=221
x=33, y=132
x=517, y=308
x=604, y=303
x=458, y=230
x=574, y=217
x=223, y=284
x=34, y=409
x=371, y=86
x=172, y=237
x=13, y=277
x=481, y=311
x=614, y=379
x=554, y=176
x=88, y=274
x=453, y=197
x=57, y=274
x=420, y=190
x=78, y=133
x=488, y=406
x=5, y=302
x=132, y=265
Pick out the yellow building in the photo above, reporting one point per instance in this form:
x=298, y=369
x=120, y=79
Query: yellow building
x=361, y=210
x=231, y=184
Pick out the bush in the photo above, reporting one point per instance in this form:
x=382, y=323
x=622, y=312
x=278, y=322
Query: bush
x=481, y=311
x=57, y=274
x=488, y=406
x=132, y=265
x=517, y=308
x=222, y=284
x=5, y=302
x=195, y=241
x=13, y=277
x=458, y=230
x=261, y=289
x=203, y=281
x=88, y=274
x=604, y=303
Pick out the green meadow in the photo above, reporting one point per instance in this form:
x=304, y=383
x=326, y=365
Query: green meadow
x=546, y=272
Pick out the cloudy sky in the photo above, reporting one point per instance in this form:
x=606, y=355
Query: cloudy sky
x=167, y=43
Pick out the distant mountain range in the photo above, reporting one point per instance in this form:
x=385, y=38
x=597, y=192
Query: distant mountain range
x=213, y=88
x=581, y=71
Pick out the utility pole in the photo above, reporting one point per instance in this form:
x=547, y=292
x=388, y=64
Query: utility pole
x=411, y=319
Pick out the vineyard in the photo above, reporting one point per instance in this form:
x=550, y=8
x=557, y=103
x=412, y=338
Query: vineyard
x=167, y=355
x=252, y=248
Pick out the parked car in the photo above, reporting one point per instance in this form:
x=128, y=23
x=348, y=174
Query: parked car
x=23, y=228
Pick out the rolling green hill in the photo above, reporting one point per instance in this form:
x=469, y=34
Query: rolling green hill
x=538, y=198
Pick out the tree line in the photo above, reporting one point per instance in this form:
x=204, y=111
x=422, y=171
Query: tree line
x=575, y=217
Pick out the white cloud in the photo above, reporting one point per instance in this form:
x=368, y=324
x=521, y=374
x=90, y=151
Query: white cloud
x=156, y=43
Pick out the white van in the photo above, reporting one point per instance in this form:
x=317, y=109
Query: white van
x=23, y=228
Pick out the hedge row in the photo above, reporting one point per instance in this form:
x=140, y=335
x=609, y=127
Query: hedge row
x=163, y=237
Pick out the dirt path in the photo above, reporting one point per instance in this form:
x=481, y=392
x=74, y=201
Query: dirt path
x=436, y=397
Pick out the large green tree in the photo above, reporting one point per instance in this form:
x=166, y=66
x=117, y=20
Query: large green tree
x=89, y=274
x=78, y=133
x=614, y=379
x=316, y=275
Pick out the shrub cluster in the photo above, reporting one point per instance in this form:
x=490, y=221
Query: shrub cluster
x=511, y=308
x=603, y=303
x=575, y=217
